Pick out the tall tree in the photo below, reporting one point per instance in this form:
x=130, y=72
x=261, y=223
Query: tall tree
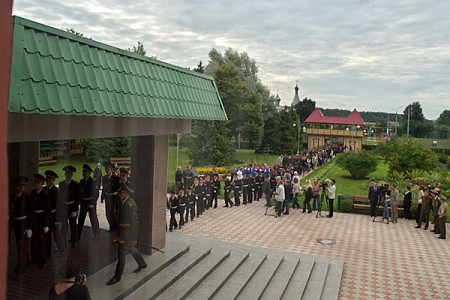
x=418, y=125
x=304, y=108
x=444, y=118
x=200, y=68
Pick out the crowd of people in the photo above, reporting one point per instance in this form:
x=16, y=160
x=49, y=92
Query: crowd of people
x=429, y=201
x=51, y=212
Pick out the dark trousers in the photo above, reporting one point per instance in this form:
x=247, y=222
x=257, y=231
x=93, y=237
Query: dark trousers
x=436, y=220
x=207, y=202
x=190, y=210
x=424, y=217
x=259, y=192
x=54, y=230
x=407, y=209
x=268, y=200
x=330, y=203
x=278, y=208
x=18, y=228
x=214, y=197
x=38, y=246
x=181, y=212
x=418, y=212
x=307, y=204
x=228, y=201
x=286, y=206
x=245, y=195
x=84, y=209
x=121, y=251
x=237, y=200
x=111, y=204
x=199, y=204
x=373, y=208
x=72, y=223
x=442, y=225
x=173, y=221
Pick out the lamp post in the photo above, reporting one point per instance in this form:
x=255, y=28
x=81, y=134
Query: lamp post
x=304, y=131
x=396, y=122
x=298, y=136
x=178, y=143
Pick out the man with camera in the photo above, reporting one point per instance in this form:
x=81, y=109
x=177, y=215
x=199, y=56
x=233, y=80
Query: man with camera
x=73, y=286
x=331, y=195
x=279, y=196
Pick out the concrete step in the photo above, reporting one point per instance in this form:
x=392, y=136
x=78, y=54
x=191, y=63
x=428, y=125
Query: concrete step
x=212, y=284
x=299, y=279
x=277, y=285
x=164, y=279
x=194, y=277
x=316, y=281
x=131, y=281
x=258, y=283
x=232, y=288
x=333, y=280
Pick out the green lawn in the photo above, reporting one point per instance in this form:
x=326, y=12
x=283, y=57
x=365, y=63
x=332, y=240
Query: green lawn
x=441, y=143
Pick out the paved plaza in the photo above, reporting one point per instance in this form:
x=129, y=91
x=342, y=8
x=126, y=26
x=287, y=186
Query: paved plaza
x=394, y=261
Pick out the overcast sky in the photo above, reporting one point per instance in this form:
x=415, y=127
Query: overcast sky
x=368, y=55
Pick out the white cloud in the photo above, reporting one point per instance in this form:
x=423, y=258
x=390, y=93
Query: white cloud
x=347, y=54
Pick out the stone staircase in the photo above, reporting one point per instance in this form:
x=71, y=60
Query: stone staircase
x=201, y=268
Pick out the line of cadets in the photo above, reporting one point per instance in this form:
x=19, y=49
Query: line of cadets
x=51, y=211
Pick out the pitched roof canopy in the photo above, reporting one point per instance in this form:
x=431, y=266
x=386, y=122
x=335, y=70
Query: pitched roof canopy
x=317, y=117
x=56, y=72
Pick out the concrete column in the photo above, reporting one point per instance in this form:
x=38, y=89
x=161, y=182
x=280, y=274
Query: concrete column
x=149, y=157
x=23, y=160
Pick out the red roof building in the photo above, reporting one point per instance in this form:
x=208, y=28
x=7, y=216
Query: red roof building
x=317, y=117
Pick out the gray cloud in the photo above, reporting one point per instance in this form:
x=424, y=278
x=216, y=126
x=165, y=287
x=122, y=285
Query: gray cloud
x=369, y=55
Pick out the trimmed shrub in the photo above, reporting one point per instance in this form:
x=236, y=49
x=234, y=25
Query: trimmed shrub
x=347, y=206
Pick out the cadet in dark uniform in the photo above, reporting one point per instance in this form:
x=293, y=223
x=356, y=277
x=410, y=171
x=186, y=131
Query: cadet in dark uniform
x=89, y=196
x=69, y=201
x=442, y=214
x=18, y=221
x=245, y=184
x=190, y=208
x=183, y=202
x=236, y=183
x=197, y=191
x=110, y=183
x=54, y=224
x=215, y=190
x=173, y=207
x=436, y=203
x=200, y=190
x=426, y=208
x=127, y=237
x=260, y=180
x=39, y=215
x=227, y=191
x=207, y=203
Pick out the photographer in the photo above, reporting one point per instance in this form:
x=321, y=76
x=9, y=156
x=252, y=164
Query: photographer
x=279, y=196
x=331, y=196
x=72, y=287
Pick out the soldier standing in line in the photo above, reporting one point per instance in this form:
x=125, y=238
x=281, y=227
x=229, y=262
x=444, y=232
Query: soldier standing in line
x=127, y=237
x=125, y=181
x=190, y=208
x=208, y=191
x=39, y=216
x=55, y=223
x=89, y=196
x=215, y=189
x=196, y=191
x=202, y=195
x=173, y=207
x=69, y=199
x=183, y=202
x=259, y=183
x=426, y=208
x=98, y=175
x=236, y=183
x=227, y=191
x=443, y=211
x=110, y=183
x=267, y=190
x=245, y=184
x=187, y=178
x=436, y=203
x=18, y=221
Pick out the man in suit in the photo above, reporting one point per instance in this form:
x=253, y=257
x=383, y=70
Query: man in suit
x=89, y=196
x=127, y=235
x=69, y=201
x=110, y=183
x=18, y=221
x=374, y=197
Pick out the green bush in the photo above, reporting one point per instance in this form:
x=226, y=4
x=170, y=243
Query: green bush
x=358, y=163
x=347, y=206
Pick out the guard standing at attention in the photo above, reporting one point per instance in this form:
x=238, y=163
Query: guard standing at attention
x=173, y=207
x=245, y=188
x=110, y=183
x=55, y=223
x=127, y=237
x=207, y=202
x=227, y=191
x=183, y=203
x=89, y=196
x=236, y=183
x=190, y=208
x=215, y=190
x=69, y=201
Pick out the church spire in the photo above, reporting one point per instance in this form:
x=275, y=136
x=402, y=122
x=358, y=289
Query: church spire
x=296, y=99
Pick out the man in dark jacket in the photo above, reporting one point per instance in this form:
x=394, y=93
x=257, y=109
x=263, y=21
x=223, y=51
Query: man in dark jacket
x=55, y=223
x=88, y=203
x=110, y=183
x=127, y=238
x=374, y=197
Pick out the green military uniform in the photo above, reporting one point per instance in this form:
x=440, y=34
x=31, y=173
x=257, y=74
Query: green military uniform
x=425, y=213
x=443, y=213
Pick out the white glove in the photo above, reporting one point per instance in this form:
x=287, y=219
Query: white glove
x=45, y=229
x=29, y=233
x=73, y=214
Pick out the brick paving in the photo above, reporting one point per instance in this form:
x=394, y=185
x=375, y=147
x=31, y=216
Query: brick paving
x=394, y=261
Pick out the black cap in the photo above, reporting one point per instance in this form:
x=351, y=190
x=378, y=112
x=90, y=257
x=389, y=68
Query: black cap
x=108, y=165
x=21, y=180
x=38, y=176
x=124, y=171
x=51, y=174
x=87, y=167
x=70, y=168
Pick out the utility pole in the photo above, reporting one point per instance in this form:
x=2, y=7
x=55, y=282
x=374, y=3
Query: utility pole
x=409, y=116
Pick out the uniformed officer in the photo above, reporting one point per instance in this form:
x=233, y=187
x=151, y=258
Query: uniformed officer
x=54, y=224
x=18, y=221
x=190, y=209
x=426, y=208
x=111, y=184
x=39, y=216
x=251, y=187
x=245, y=188
x=442, y=214
x=227, y=191
x=173, y=207
x=183, y=202
x=215, y=190
x=89, y=196
x=69, y=201
x=200, y=190
x=207, y=203
x=197, y=194
x=127, y=235
x=436, y=203
x=236, y=183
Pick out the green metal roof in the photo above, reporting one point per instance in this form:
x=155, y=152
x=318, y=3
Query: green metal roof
x=56, y=72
